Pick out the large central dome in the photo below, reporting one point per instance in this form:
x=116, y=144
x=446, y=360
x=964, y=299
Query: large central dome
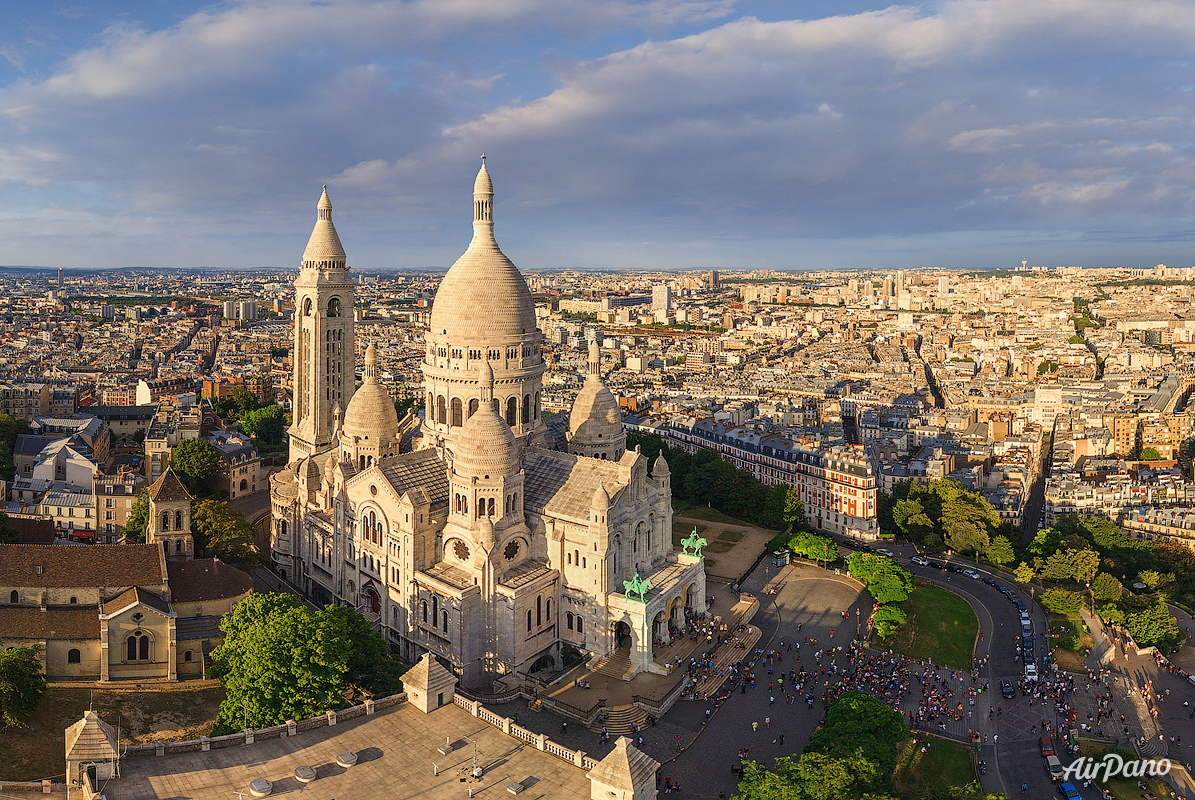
x=483, y=299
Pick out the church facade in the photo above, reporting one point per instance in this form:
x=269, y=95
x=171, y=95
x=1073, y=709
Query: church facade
x=464, y=533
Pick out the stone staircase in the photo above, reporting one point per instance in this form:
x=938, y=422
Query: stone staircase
x=618, y=720
x=616, y=665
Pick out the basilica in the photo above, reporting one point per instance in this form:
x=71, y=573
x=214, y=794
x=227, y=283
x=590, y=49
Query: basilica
x=471, y=531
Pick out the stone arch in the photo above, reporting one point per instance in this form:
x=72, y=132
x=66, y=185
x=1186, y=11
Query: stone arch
x=512, y=411
x=526, y=409
x=473, y=404
x=458, y=415
x=441, y=410
x=334, y=309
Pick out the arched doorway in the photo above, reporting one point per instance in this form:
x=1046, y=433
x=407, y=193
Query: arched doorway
x=373, y=601
x=544, y=662
x=622, y=635
x=659, y=629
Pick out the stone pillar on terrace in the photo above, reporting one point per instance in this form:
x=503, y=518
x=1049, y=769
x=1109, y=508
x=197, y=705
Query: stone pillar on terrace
x=627, y=773
x=428, y=685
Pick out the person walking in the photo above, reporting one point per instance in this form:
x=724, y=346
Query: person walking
x=754, y=726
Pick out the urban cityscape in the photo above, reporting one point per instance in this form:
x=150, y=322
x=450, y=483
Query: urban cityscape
x=724, y=398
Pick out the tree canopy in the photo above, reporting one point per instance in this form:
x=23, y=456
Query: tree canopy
x=138, y=519
x=942, y=512
x=196, y=461
x=22, y=684
x=281, y=661
x=266, y=424
x=10, y=429
x=221, y=532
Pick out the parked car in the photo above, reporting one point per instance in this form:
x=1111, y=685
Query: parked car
x=1031, y=672
x=972, y=574
x=885, y=552
x=1007, y=689
x=1047, y=745
x=1054, y=766
x=919, y=561
x=1068, y=791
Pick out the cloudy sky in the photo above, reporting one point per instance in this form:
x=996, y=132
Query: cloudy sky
x=790, y=134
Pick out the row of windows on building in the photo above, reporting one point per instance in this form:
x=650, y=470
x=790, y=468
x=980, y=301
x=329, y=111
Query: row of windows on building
x=453, y=412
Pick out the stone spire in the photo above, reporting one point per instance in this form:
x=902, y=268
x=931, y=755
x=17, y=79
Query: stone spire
x=371, y=363
x=486, y=383
x=483, y=202
x=595, y=359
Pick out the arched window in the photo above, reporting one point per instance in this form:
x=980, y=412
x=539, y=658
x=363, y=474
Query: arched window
x=548, y=610
x=307, y=307
x=435, y=608
x=73, y=656
x=334, y=307
x=444, y=617
x=165, y=520
x=528, y=620
x=464, y=504
x=512, y=411
x=491, y=507
x=137, y=648
x=178, y=520
x=441, y=412
x=457, y=413
x=579, y=624
x=584, y=562
x=362, y=462
x=577, y=557
x=15, y=597
x=539, y=610
x=569, y=620
x=244, y=484
x=423, y=608
x=74, y=600
x=187, y=656
x=535, y=407
x=526, y=409
x=473, y=406
x=569, y=558
x=178, y=545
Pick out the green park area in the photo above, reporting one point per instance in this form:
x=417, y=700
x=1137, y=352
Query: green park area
x=932, y=767
x=1070, y=641
x=940, y=626
x=1120, y=787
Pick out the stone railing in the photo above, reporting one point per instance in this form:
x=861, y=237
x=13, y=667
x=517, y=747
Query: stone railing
x=250, y=735
x=40, y=787
x=575, y=757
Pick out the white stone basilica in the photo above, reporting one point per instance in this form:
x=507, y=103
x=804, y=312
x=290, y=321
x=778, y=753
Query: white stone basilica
x=467, y=535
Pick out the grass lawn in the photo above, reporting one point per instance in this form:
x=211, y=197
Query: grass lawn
x=37, y=751
x=1123, y=788
x=1070, y=640
x=941, y=626
x=712, y=515
x=945, y=765
x=681, y=530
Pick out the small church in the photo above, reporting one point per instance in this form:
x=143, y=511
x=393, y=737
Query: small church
x=121, y=612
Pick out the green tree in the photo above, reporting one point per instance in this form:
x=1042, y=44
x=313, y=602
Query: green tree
x=279, y=661
x=966, y=523
x=265, y=424
x=1151, y=454
x=222, y=532
x=10, y=429
x=1151, y=578
x=1023, y=573
x=196, y=461
x=139, y=436
x=1000, y=551
x=1112, y=613
x=888, y=618
x=244, y=401
x=138, y=519
x=22, y=684
x=794, y=509
x=1085, y=564
x=1106, y=588
x=1153, y=626
x=1058, y=567
x=370, y=665
x=858, y=722
x=1061, y=601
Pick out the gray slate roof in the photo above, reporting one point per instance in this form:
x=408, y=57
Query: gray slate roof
x=422, y=469
x=562, y=484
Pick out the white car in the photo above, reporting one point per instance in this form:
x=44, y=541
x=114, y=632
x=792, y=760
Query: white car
x=884, y=552
x=919, y=561
x=972, y=574
x=1031, y=672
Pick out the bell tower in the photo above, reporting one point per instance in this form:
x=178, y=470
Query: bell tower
x=323, y=352
x=170, y=517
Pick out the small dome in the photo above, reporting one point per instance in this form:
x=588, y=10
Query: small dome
x=483, y=184
x=601, y=498
x=371, y=411
x=661, y=466
x=324, y=244
x=595, y=411
x=485, y=446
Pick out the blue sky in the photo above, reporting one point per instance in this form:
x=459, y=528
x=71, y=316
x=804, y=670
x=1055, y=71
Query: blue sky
x=620, y=133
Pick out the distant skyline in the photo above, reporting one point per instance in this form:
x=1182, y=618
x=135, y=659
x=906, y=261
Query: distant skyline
x=662, y=134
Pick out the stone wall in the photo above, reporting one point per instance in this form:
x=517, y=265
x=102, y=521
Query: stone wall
x=249, y=736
